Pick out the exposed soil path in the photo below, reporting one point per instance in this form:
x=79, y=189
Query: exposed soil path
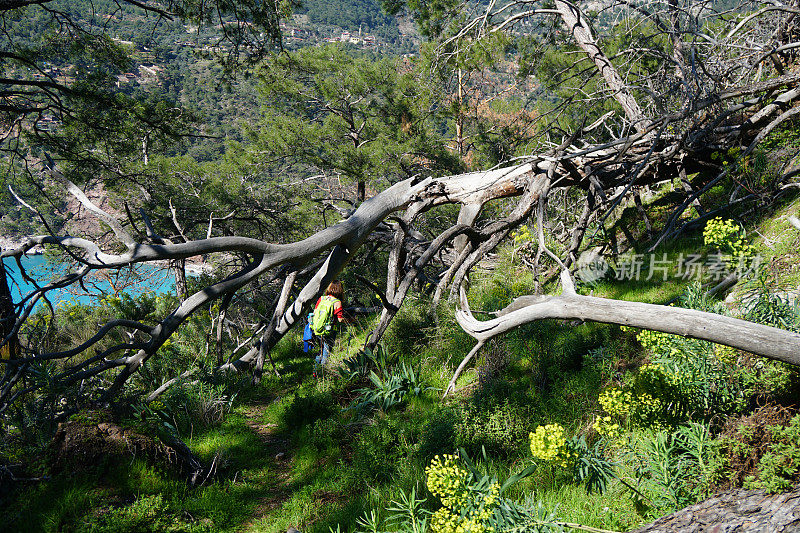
x=276, y=459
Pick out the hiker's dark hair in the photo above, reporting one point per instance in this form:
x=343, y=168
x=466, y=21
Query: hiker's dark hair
x=335, y=289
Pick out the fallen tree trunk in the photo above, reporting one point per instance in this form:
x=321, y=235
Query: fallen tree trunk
x=675, y=140
x=773, y=343
x=343, y=240
x=759, y=339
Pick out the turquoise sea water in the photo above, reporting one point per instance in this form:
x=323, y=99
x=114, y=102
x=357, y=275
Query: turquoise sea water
x=134, y=281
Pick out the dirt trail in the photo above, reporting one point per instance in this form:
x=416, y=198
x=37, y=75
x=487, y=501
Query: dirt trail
x=276, y=456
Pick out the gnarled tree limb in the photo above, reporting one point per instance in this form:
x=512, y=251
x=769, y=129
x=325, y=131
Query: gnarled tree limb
x=767, y=341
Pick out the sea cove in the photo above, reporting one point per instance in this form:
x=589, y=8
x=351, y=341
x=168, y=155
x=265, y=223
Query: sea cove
x=133, y=281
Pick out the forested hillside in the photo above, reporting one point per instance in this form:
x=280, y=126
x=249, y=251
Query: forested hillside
x=353, y=15
x=567, y=237
x=177, y=62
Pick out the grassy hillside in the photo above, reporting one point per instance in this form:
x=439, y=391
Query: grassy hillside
x=319, y=453
x=609, y=427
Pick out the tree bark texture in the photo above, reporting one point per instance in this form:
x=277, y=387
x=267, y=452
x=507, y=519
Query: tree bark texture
x=731, y=117
x=577, y=24
x=8, y=337
x=774, y=343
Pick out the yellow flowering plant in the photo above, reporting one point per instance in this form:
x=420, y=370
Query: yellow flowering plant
x=522, y=235
x=549, y=444
x=589, y=465
x=651, y=397
x=728, y=237
x=471, y=502
x=525, y=243
x=616, y=401
x=686, y=378
x=606, y=427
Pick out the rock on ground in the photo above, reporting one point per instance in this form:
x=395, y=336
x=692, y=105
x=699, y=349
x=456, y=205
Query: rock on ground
x=738, y=511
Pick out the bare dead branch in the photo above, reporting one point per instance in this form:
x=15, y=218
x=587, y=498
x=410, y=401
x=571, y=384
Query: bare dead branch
x=773, y=343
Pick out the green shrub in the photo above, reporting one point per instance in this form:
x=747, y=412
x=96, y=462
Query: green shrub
x=359, y=365
x=409, y=329
x=778, y=469
x=688, y=379
x=324, y=432
x=148, y=513
x=391, y=386
x=439, y=434
x=307, y=409
x=671, y=469
x=498, y=425
x=764, y=306
x=661, y=472
x=704, y=455
x=377, y=451
x=407, y=514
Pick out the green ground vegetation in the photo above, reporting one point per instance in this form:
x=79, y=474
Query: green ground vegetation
x=556, y=423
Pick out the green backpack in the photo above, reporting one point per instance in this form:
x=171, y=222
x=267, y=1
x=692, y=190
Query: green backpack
x=322, y=321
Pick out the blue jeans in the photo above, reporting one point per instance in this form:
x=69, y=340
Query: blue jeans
x=326, y=345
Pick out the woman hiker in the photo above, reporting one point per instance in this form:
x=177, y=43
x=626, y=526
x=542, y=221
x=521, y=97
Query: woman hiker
x=327, y=313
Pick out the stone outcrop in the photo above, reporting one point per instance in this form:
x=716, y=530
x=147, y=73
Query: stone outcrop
x=735, y=511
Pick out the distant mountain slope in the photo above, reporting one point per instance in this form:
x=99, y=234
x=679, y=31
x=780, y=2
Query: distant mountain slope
x=352, y=15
